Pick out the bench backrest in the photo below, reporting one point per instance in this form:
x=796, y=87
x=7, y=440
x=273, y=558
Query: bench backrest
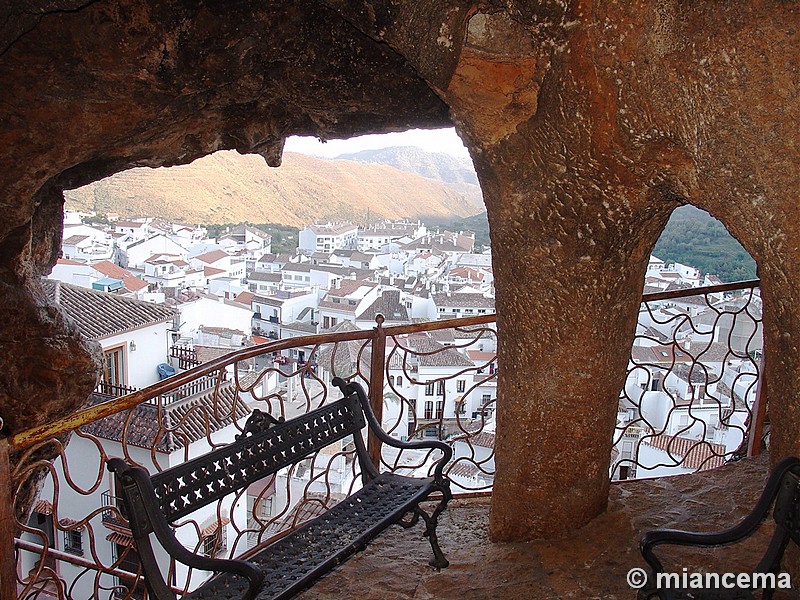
x=184, y=488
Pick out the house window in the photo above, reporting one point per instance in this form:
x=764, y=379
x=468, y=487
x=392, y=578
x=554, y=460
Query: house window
x=461, y=385
x=485, y=399
x=265, y=508
x=429, y=388
x=429, y=409
x=114, y=366
x=399, y=381
x=440, y=388
x=439, y=409
x=44, y=523
x=627, y=449
x=432, y=431
x=481, y=311
x=73, y=541
x=412, y=409
x=129, y=563
x=462, y=407
x=216, y=542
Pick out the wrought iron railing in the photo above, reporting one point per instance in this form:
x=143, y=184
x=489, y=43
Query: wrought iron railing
x=691, y=394
x=187, y=390
x=434, y=379
x=186, y=356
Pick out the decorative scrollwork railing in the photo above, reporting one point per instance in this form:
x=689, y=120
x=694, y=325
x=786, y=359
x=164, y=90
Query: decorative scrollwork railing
x=692, y=386
x=436, y=379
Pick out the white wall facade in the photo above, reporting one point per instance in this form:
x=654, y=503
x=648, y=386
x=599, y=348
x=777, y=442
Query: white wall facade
x=135, y=254
x=212, y=313
x=150, y=348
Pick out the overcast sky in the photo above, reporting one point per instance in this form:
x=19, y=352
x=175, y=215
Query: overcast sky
x=433, y=140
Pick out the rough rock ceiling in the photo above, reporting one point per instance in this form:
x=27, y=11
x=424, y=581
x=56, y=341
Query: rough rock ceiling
x=204, y=75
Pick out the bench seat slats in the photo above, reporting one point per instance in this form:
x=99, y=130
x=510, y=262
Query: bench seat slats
x=323, y=543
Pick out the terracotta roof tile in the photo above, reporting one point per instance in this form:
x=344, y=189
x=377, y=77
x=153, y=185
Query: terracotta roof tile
x=74, y=239
x=212, y=257
x=471, y=300
x=431, y=353
x=182, y=422
x=693, y=454
x=351, y=308
x=262, y=276
x=100, y=314
x=389, y=305
x=129, y=280
x=245, y=298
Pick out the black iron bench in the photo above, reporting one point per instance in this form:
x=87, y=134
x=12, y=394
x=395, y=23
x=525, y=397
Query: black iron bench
x=783, y=490
x=266, y=445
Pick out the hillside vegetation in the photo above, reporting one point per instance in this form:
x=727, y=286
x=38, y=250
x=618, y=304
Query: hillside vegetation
x=692, y=237
x=227, y=187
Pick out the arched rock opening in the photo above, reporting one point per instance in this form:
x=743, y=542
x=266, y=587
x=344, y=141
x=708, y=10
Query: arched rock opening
x=587, y=125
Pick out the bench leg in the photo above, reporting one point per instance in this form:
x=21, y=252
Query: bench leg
x=438, y=561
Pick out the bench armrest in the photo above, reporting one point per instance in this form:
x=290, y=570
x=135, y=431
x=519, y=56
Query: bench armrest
x=741, y=530
x=144, y=516
x=348, y=388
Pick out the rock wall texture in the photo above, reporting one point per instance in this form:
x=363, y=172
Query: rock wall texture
x=588, y=124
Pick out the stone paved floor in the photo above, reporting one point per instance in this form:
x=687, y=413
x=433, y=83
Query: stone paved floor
x=590, y=563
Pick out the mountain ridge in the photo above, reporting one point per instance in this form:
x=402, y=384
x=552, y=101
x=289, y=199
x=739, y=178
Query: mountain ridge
x=433, y=165
x=230, y=187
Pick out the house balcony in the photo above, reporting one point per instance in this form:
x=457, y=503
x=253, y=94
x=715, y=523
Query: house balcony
x=267, y=327
x=590, y=562
x=106, y=391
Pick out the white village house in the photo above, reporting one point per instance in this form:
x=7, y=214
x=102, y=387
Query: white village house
x=327, y=237
x=135, y=337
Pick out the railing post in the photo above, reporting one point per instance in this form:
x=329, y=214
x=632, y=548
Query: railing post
x=756, y=429
x=8, y=563
x=376, y=374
